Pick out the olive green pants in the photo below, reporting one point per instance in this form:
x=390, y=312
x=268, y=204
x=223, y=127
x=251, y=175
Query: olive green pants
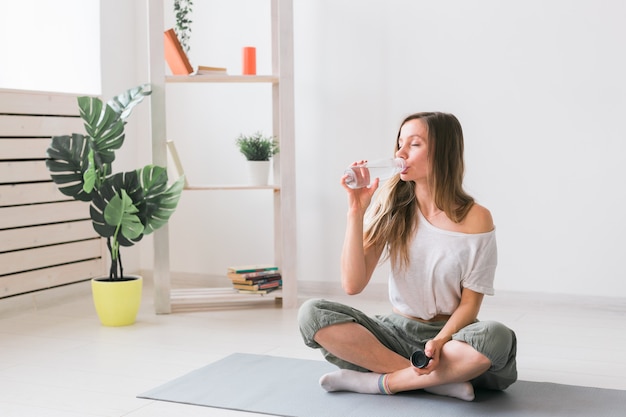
x=403, y=335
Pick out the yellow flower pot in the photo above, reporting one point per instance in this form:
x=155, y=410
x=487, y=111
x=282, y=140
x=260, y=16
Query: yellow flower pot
x=117, y=302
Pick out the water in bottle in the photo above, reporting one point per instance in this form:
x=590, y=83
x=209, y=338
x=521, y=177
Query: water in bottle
x=360, y=176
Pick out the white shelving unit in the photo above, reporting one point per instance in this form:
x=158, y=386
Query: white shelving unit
x=281, y=79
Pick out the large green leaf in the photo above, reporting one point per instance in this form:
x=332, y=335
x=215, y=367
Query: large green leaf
x=104, y=123
x=124, y=103
x=104, y=127
x=122, y=214
x=90, y=176
x=67, y=163
x=160, y=201
x=111, y=189
x=147, y=189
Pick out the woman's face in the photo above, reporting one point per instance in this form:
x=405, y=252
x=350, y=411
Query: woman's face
x=413, y=148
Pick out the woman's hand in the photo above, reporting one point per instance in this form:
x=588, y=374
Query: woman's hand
x=359, y=199
x=433, y=351
x=466, y=313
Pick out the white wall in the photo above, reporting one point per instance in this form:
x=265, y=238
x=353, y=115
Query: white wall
x=537, y=85
x=539, y=88
x=50, y=45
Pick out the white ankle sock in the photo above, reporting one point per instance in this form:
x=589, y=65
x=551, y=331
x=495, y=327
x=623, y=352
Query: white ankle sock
x=354, y=381
x=460, y=390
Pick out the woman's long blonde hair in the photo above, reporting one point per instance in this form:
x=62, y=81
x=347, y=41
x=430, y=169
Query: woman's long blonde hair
x=394, y=213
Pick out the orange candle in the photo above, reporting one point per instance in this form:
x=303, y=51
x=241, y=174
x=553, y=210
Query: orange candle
x=249, y=60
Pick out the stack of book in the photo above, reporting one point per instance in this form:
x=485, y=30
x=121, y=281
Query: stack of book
x=178, y=61
x=255, y=279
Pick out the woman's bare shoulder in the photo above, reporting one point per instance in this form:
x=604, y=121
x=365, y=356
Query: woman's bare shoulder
x=478, y=220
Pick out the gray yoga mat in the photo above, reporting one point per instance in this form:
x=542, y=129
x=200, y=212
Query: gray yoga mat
x=289, y=387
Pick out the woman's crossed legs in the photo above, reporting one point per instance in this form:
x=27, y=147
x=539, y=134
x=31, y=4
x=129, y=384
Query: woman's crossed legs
x=392, y=373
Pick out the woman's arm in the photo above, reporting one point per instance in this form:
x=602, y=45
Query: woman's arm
x=465, y=314
x=357, y=263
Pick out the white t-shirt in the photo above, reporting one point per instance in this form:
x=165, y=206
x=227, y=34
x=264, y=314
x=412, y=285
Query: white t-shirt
x=441, y=263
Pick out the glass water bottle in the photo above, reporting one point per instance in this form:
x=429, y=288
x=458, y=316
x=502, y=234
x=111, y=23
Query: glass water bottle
x=363, y=175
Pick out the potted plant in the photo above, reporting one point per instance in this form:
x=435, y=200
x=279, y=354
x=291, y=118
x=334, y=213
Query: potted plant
x=124, y=206
x=258, y=149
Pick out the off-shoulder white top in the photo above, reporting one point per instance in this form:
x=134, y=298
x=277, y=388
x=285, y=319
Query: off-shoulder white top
x=441, y=264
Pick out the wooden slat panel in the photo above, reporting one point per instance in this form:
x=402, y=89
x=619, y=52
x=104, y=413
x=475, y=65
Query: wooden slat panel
x=24, y=148
x=39, y=126
x=35, y=218
x=23, y=171
x=28, y=193
x=28, y=237
x=43, y=213
x=50, y=277
x=37, y=102
x=23, y=260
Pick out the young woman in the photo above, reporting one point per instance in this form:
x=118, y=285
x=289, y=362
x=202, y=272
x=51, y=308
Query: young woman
x=442, y=249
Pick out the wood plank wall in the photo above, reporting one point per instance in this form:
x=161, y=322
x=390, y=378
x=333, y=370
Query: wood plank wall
x=46, y=238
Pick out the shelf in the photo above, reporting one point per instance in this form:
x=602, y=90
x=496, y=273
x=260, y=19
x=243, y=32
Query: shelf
x=222, y=79
x=199, y=298
x=280, y=81
x=201, y=187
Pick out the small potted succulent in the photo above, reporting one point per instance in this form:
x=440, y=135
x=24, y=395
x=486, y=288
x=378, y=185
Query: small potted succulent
x=123, y=206
x=258, y=149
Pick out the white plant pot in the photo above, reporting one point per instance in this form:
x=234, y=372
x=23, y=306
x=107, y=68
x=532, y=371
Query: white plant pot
x=259, y=172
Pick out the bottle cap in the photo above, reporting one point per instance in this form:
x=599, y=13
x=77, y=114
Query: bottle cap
x=419, y=359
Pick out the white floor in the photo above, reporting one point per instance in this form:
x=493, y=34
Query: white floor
x=59, y=361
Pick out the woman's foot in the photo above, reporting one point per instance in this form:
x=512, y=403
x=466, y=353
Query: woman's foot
x=461, y=390
x=373, y=383
x=354, y=381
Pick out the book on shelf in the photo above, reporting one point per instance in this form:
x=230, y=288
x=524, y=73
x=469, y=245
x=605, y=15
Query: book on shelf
x=257, y=287
x=175, y=54
x=254, y=276
x=204, y=70
x=241, y=269
x=257, y=280
x=266, y=291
